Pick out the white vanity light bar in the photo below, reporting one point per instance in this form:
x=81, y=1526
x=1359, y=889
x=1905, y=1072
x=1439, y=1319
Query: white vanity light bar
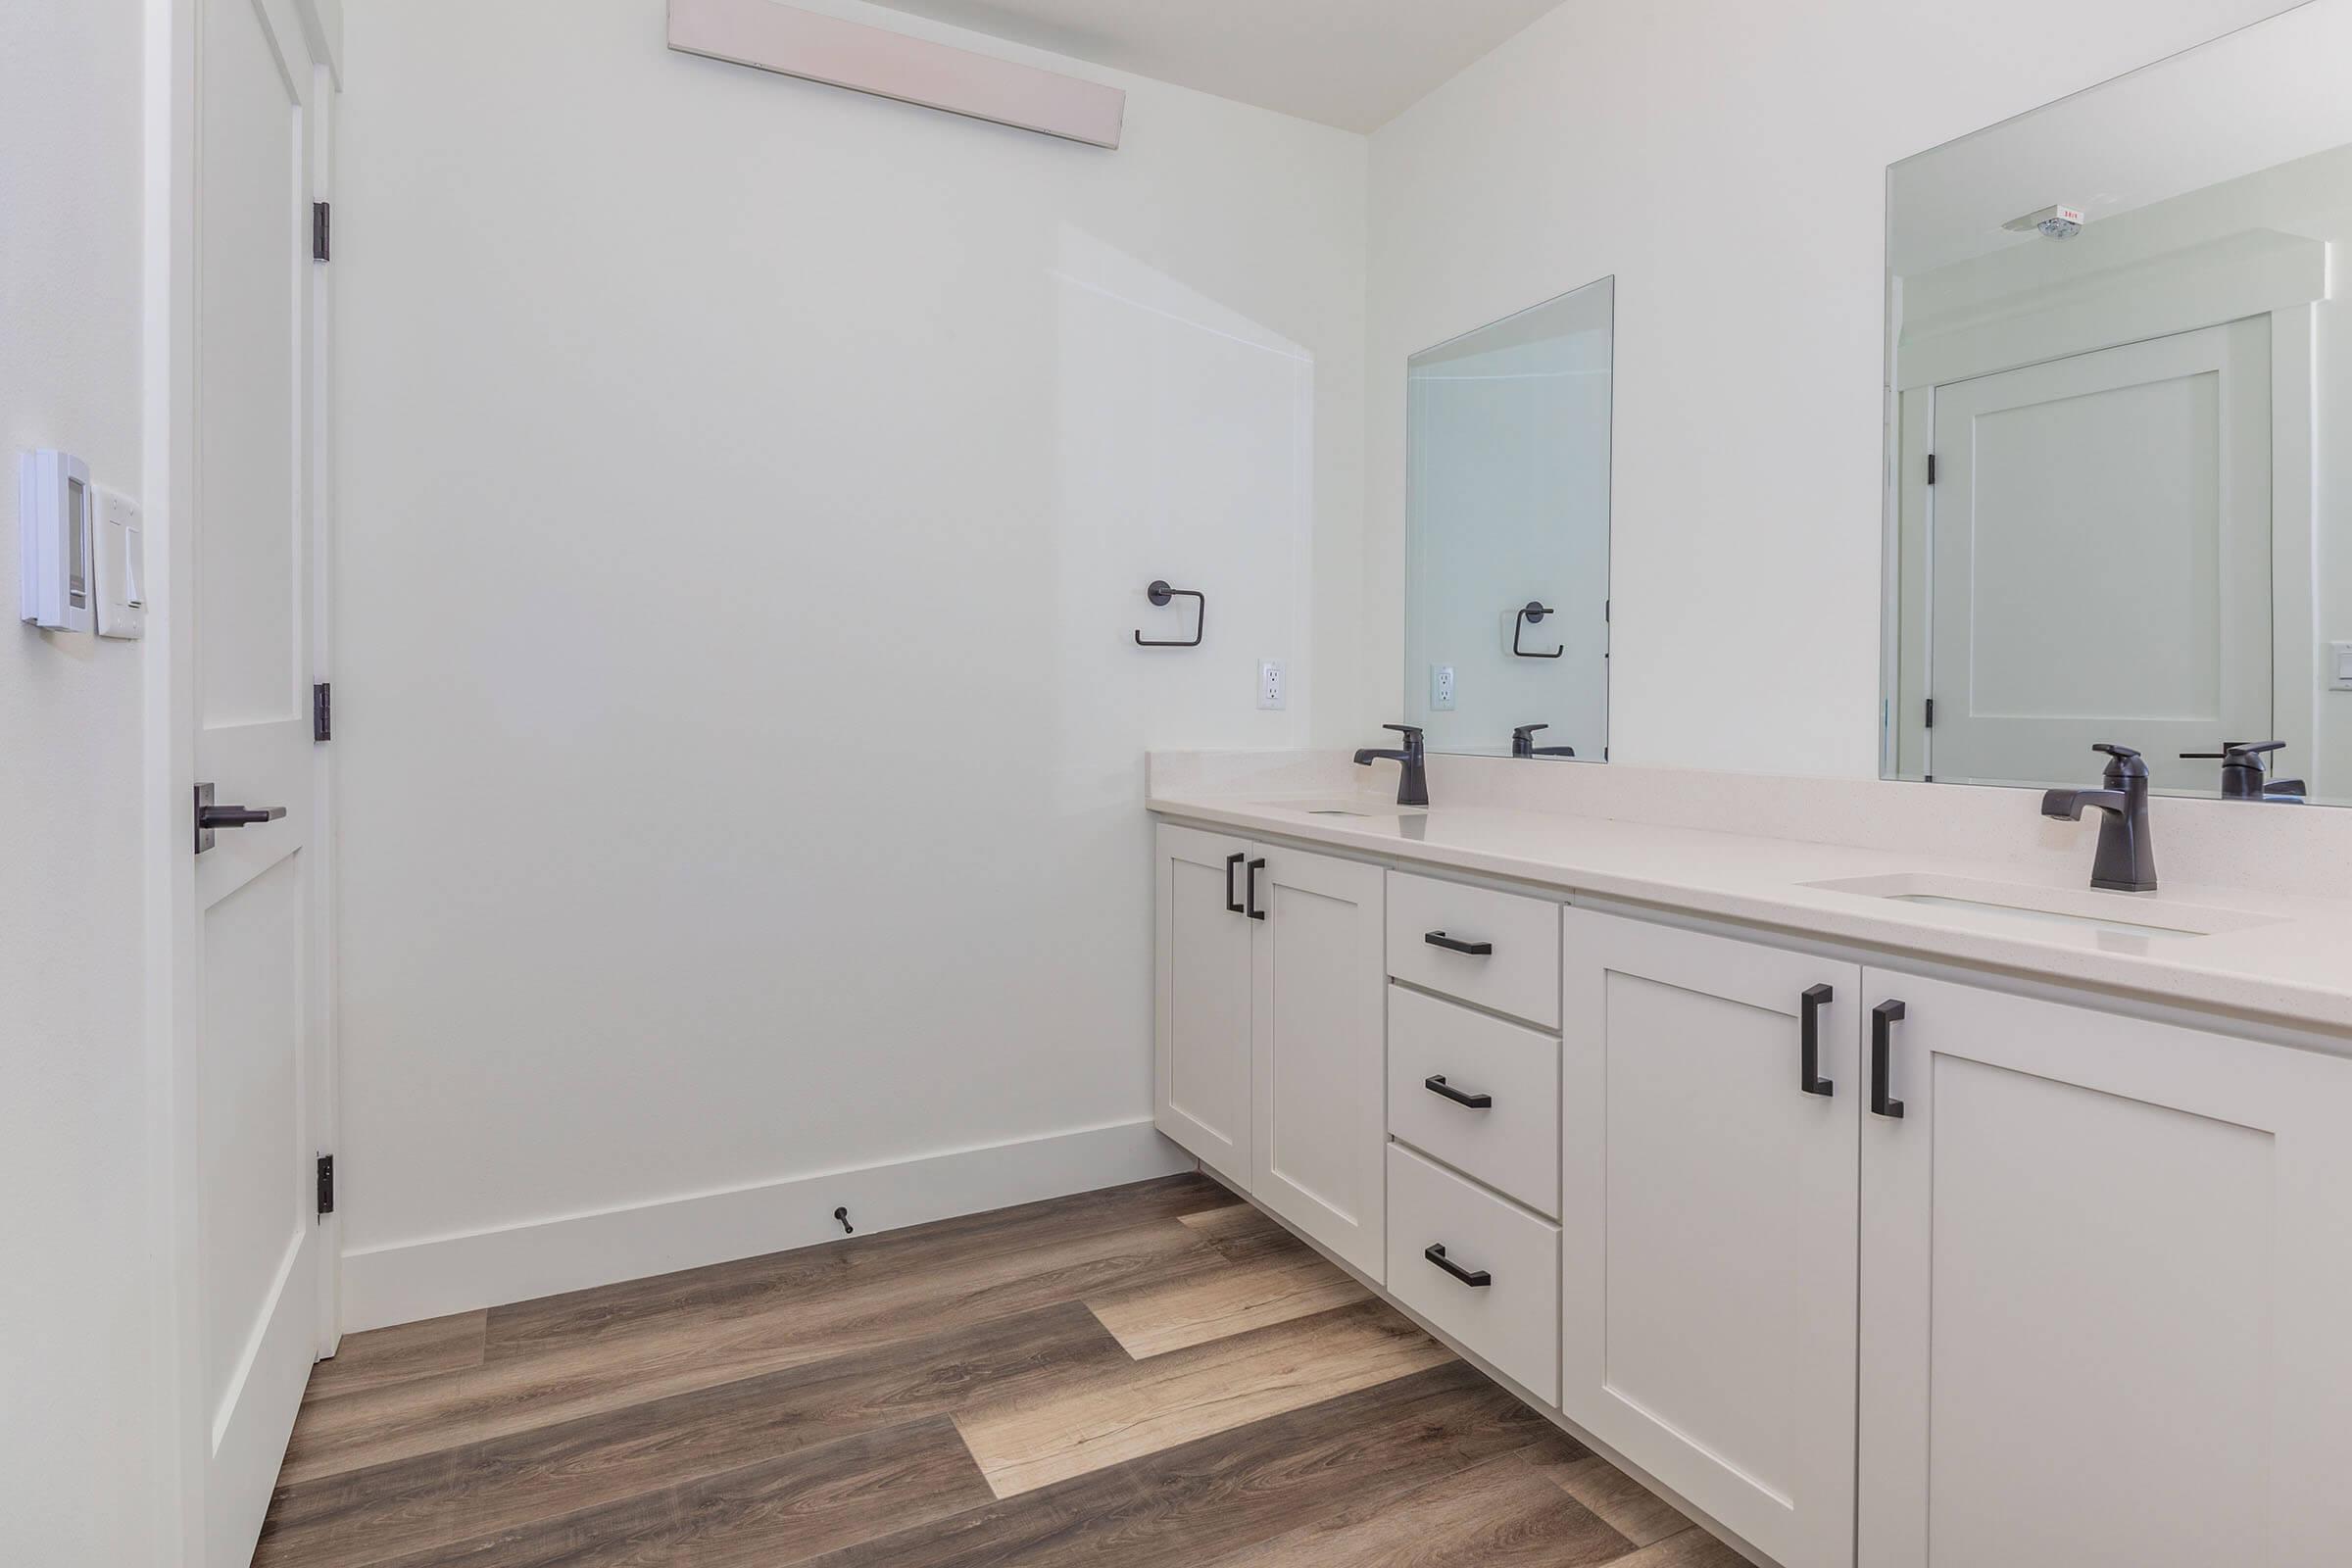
x=793, y=42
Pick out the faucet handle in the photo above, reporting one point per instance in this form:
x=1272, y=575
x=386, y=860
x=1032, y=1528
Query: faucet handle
x=1411, y=732
x=2124, y=762
x=1527, y=732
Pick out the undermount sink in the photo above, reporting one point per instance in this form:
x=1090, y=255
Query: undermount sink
x=1342, y=806
x=2131, y=915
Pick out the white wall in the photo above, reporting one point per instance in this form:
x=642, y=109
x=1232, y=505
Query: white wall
x=1727, y=162
x=747, y=493
x=78, y=1381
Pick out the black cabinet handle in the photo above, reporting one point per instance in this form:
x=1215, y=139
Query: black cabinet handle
x=1436, y=1084
x=1475, y=1279
x=1475, y=949
x=1232, y=904
x=1251, y=892
x=1808, y=1069
x=1883, y=1019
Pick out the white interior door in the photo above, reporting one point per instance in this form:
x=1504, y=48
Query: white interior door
x=2101, y=560
x=253, y=1033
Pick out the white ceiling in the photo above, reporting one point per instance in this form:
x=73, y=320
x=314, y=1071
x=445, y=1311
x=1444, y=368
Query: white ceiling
x=1355, y=64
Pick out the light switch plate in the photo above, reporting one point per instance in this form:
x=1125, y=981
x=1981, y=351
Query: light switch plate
x=2339, y=667
x=122, y=560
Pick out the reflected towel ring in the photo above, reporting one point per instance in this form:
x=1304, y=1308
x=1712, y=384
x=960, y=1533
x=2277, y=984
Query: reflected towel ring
x=1532, y=615
x=1160, y=592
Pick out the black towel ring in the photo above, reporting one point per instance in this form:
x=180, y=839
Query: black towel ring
x=1161, y=594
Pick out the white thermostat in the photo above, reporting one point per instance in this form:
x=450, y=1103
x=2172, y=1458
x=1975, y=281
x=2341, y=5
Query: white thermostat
x=54, y=551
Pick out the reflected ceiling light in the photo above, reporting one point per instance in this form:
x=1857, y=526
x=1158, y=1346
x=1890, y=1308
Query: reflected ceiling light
x=2051, y=223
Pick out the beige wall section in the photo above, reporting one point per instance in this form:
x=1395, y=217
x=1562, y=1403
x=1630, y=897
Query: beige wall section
x=1727, y=162
x=748, y=492
x=78, y=1375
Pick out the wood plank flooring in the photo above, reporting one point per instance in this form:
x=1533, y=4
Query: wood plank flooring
x=1152, y=1375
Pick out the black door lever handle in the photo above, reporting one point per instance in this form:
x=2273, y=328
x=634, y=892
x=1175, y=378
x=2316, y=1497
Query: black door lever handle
x=211, y=818
x=238, y=815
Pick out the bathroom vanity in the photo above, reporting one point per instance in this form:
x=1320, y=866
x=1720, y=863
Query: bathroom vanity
x=1857, y=1195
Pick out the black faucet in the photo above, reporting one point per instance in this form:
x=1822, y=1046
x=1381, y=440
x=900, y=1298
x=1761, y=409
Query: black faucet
x=1412, y=788
x=2126, y=861
x=2241, y=773
x=1523, y=743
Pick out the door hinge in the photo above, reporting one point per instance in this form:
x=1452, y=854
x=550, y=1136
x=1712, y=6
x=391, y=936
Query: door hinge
x=320, y=223
x=326, y=1184
x=1931, y=467
x=322, y=712
x=1931, y=712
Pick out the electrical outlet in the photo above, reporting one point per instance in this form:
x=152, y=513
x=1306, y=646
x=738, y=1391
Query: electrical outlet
x=1440, y=688
x=1273, y=686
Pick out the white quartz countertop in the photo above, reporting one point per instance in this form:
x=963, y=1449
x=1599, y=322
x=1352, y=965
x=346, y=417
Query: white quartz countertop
x=2294, y=968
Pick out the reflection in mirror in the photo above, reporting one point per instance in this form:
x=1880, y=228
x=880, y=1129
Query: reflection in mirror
x=2120, y=419
x=1506, y=635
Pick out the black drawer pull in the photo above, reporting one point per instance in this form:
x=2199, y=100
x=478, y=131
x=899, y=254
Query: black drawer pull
x=1437, y=1085
x=1808, y=1067
x=1883, y=1019
x=1232, y=905
x=1475, y=949
x=1251, y=891
x=1475, y=1279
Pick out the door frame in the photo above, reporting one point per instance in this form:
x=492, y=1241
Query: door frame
x=178, y=1435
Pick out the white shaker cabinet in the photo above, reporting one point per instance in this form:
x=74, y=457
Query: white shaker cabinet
x=1319, y=1028
x=1203, y=1088
x=1269, y=1043
x=2105, y=1265
x=1708, y=1222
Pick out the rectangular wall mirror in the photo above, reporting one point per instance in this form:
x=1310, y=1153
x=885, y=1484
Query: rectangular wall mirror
x=1507, y=616
x=2119, y=418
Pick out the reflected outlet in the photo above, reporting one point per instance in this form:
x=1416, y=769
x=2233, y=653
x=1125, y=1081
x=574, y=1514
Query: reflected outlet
x=1440, y=688
x=1272, y=685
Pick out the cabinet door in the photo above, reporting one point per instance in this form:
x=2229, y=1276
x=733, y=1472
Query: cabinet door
x=1320, y=1029
x=1201, y=1086
x=1709, y=1224
x=2106, y=1284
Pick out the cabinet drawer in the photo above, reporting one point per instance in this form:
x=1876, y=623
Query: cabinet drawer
x=1513, y=1320
x=1513, y=1142
x=1519, y=975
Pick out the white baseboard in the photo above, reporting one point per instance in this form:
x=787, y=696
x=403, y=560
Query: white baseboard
x=408, y=1281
